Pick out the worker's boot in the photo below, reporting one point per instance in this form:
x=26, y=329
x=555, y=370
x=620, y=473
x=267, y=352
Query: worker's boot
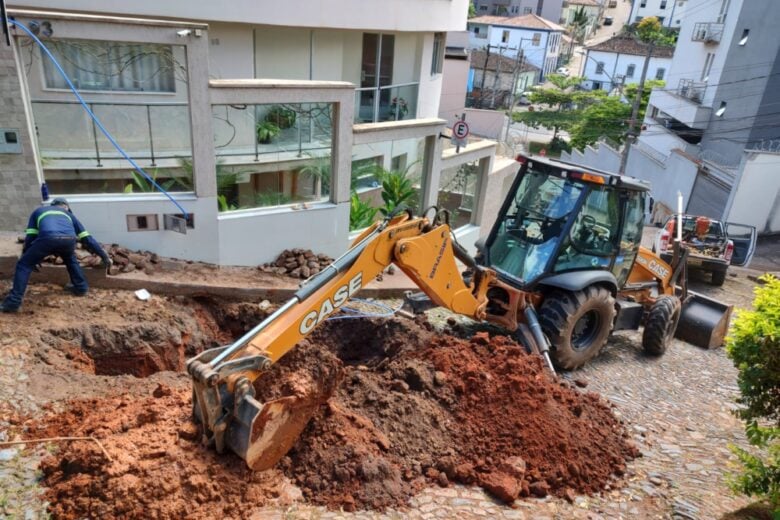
x=72, y=290
x=4, y=307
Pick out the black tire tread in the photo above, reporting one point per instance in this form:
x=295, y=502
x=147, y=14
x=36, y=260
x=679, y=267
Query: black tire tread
x=559, y=313
x=657, y=335
x=718, y=278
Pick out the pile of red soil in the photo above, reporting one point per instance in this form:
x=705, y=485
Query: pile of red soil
x=159, y=468
x=412, y=409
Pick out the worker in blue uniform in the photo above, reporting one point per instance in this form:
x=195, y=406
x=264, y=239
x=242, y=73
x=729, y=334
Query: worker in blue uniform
x=52, y=230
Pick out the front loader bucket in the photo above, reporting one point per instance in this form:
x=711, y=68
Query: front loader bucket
x=262, y=433
x=704, y=322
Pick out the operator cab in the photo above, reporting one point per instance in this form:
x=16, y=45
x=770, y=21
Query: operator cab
x=559, y=218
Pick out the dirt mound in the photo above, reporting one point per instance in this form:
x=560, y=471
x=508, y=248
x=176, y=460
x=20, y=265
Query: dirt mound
x=413, y=409
x=159, y=469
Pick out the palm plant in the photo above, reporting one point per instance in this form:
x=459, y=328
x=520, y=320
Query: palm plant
x=397, y=189
x=141, y=184
x=361, y=213
x=579, y=24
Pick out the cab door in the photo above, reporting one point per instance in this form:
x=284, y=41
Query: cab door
x=744, y=238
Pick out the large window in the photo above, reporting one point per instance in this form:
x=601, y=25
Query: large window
x=600, y=67
x=437, y=61
x=102, y=65
x=273, y=155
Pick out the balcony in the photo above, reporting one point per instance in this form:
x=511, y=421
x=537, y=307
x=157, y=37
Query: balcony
x=707, y=32
x=388, y=103
x=683, y=106
x=692, y=90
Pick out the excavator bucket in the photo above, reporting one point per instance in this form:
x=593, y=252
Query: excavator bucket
x=704, y=322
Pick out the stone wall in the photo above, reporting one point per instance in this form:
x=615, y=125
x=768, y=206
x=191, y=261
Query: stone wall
x=19, y=185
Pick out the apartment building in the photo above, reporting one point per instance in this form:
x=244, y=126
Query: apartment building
x=258, y=121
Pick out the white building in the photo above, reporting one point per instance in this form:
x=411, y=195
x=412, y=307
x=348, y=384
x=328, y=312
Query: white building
x=549, y=9
x=593, y=9
x=254, y=117
x=539, y=39
x=619, y=60
x=669, y=12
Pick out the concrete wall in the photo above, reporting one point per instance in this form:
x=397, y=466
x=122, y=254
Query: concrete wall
x=755, y=198
x=231, y=51
x=672, y=14
x=616, y=65
x=600, y=156
x=485, y=123
x=382, y=15
x=677, y=173
x=453, y=88
x=20, y=176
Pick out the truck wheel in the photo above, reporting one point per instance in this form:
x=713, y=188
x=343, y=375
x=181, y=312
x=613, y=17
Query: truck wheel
x=661, y=324
x=577, y=323
x=718, y=277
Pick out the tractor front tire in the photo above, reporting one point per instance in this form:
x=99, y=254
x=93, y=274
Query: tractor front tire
x=661, y=325
x=577, y=323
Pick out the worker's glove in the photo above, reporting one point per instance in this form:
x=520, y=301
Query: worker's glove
x=107, y=263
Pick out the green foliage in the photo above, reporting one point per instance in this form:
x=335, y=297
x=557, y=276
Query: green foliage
x=397, y=189
x=361, y=213
x=564, y=102
x=754, y=347
x=141, y=184
x=319, y=167
x=281, y=116
x=271, y=198
x=472, y=10
x=224, y=205
x=650, y=30
x=266, y=131
x=579, y=24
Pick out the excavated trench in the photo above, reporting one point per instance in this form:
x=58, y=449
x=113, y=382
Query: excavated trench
x=413, y=407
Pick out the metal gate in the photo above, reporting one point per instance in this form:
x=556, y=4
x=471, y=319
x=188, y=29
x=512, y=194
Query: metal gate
x=709, y=194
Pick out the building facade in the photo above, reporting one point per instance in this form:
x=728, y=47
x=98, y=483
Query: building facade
x=619, y=61
x=593, y=9
x=548, y=9
x=260, y=123
x=538, y=39
x=670, y=13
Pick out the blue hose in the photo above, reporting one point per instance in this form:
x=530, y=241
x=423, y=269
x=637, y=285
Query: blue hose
x=94, y=117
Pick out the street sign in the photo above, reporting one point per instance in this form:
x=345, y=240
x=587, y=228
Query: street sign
x=460, y=130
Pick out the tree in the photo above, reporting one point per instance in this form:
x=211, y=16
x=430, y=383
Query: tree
x=579, y=24
x=565, y=104
x=472, y=10
x=609, y=116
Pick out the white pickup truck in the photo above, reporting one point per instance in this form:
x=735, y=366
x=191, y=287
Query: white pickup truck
x=713, y=245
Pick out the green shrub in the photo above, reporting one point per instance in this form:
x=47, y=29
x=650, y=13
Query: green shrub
x=361, y=213
x=754, y=347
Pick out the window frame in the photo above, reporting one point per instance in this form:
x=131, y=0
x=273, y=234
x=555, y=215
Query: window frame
x=437, y=59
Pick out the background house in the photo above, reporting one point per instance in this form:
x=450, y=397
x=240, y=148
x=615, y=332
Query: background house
x=493, y=78
x=593, y=9
x=549, y=9
x=669, y=12
x=539, y=39
x=619, y=60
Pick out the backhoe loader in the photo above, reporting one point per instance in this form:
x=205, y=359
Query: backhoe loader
x=561, y=269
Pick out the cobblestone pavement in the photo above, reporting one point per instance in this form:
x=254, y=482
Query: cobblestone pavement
x=677, y=407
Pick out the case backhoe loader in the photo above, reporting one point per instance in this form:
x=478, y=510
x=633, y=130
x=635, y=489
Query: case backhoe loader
x=561, y=269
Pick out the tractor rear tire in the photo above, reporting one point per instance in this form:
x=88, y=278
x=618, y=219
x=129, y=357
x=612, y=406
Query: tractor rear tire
x=577, y=324
x=661, y=325
x=718, y=278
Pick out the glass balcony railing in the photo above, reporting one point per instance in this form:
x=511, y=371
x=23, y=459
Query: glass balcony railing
x=147, y=131
x=389, y=103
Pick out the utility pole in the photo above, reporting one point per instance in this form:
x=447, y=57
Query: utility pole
x=515, y=78
x=631, y=133
x=496, y=77
x=484, y=73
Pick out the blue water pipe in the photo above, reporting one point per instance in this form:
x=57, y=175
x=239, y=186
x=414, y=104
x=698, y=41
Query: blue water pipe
x=95, y=118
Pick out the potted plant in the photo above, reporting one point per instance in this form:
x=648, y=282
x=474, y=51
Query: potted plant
x=398, y=108
x=266, y=131
x=280, y=116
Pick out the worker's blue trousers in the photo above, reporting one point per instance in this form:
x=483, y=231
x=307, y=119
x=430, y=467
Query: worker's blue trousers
x=64, y=247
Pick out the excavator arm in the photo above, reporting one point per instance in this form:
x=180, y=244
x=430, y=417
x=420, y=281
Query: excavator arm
x=223, y=393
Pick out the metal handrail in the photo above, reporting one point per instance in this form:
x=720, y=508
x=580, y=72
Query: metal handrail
x=147, y=105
